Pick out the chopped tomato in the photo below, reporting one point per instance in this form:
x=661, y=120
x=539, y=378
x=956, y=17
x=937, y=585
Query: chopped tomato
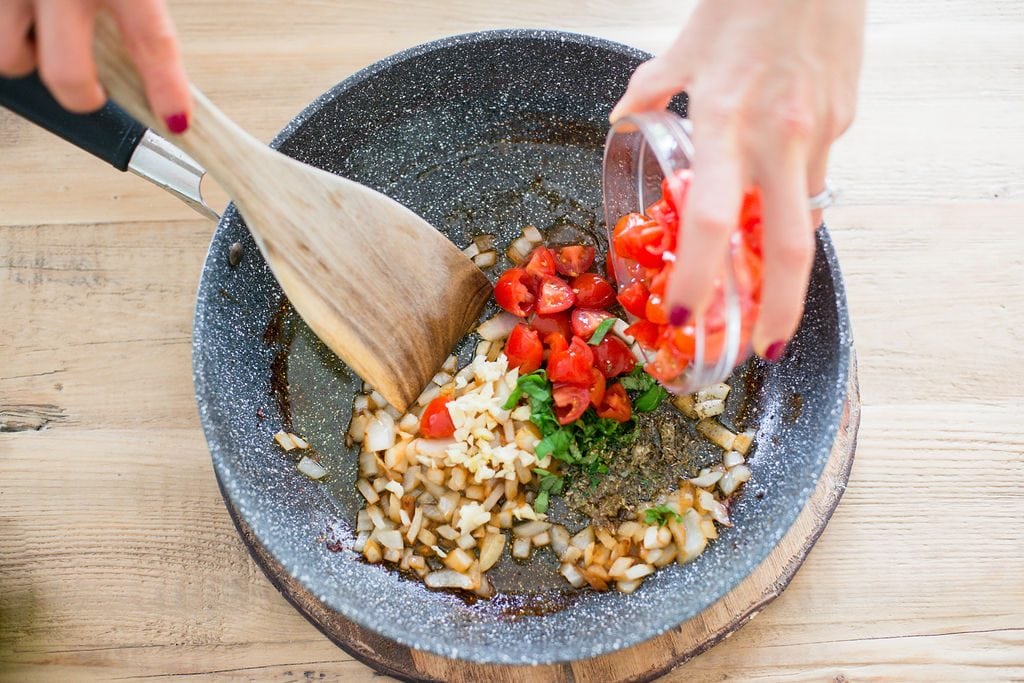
x=662, y=212
x=556, y=341
x=592, y=291
x=436, y=423
x=642, y=240
x=615, y=404
x=524, y=349
x=679, y=183
x=554, y=295
x=556, y=322
x=597, y=387
x=541, y=263
x=513, y=292
x=633, y=298
x=612, y=357
x=655, y=310
x=571, y=364
x=571, y=401
x=586, y=320
x=571, y=261
x=645, y=332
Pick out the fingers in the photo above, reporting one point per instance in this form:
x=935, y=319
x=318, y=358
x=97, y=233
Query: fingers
x=149, y=37
x=817, y=168
x=64, y=36
x=17, y=47
x=712, y=209
x=788, y=250
x=655, y=82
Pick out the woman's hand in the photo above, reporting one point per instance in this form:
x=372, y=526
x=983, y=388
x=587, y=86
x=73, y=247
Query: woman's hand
x=56, y=37
x=771, y=84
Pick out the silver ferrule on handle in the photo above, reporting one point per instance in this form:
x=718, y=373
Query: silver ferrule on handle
x=166, y=166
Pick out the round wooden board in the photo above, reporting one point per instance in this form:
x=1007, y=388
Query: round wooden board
x=642, y=662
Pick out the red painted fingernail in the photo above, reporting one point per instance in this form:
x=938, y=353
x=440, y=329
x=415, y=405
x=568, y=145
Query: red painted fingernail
x=774, y=352
x=177, y=123
x=679, y=316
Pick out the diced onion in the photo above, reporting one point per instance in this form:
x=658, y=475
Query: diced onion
x=710, y=408
x=284, y=440
x=486, y=259
x=311, y=468
x=448, y=578
x=532, y=234
x=719, y=391
x=498, y=327
x=732, y=458
x=743, y=441
x=484, y=243
x=490, y=550
x=380, y=433
x=708, y=478
x=716, y=433
x=472, y=250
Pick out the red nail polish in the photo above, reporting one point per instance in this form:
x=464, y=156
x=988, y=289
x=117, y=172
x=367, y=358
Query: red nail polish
x=774, y=352
x=679, y=316
x=177, y=123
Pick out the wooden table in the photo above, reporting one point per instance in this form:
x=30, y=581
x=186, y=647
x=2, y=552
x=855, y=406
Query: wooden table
x=118, y=560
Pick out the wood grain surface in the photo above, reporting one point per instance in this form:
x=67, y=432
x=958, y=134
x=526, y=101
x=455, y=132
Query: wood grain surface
x=118, y=560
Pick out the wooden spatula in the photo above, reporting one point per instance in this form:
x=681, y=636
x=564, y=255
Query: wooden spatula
x=388, y=293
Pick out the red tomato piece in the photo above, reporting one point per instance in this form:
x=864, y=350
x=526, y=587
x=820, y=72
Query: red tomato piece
x=571, y=401
x=555, y=341
x=571, y=364
x=642, y=240
x=524, y=349
x=541, y=263
x=554, y=296
x=597, y=388
x=678, y=183
x=645, y=332
x=616, y=404
x=662, y=212
x=436, y=423
x=655, y=310
x=556, y=322
x=571, y=261
x=592, y=291
x=612, y=357
x=513, y=292
x=586, y=320
x=633, y=298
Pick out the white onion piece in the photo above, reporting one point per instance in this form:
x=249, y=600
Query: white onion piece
x=732, y=458
x=533, y=234
x=472, y=250
x=518, y=250
x=484, y=243
x=638, y=571
x=409, y=424
x=521, y=548
x=719, y=391
x=627, y=587
x=498, y=327
x=559, y=539
x=619, y=328
x=390, y=538
x=380, y=433
x=530, y=529
x=486, y=259
x=299, y=442
x=450, y=363
x=448, y=578
x=708, y=478
x=429, y=394
x=377, y=399
x=441, y=378
x=743, y=441
x=311, y=468
x=733, y=478
x=710, y=408
x=572, y=575
x=433, y=448
x=284, y=440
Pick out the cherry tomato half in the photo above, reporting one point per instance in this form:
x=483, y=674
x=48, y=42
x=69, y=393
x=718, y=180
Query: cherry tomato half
x=571, y=261
x=572, y=364
x=615, y=404
x=513, y=292
x=524, y=349
x=541, y=263
x=436, y=423
x=554, y=295
x=592, y=291
x=645, y=332
x=612, y=357
x=556, y=322
x=571, y=401
x=586, y=320
x=597, y=387
x=633, y=298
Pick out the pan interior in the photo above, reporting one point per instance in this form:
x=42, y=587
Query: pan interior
x=480, y=134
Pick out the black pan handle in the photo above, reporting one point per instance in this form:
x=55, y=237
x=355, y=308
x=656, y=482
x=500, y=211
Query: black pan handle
x=110, y=133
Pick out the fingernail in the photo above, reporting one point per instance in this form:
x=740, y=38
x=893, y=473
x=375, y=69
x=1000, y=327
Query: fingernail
x=679, y=316
x=774, y=352
x=177, y=123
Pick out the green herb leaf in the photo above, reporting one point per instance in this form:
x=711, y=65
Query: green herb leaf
x=650, y=399
x=660, y=515
x=540, y=503
x=638, y=380
x=601, y=331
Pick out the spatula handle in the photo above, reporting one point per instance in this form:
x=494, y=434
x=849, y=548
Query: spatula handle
x=212, y=138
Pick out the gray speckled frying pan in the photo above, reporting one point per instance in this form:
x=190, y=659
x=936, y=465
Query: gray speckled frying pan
x=481, y=133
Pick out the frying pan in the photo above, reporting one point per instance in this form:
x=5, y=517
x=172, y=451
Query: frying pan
x=480, y=134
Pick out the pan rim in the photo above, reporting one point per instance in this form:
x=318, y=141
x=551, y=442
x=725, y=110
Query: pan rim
x=217, y=438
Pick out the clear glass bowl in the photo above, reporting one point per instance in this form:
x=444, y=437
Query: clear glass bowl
x=640, y=152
